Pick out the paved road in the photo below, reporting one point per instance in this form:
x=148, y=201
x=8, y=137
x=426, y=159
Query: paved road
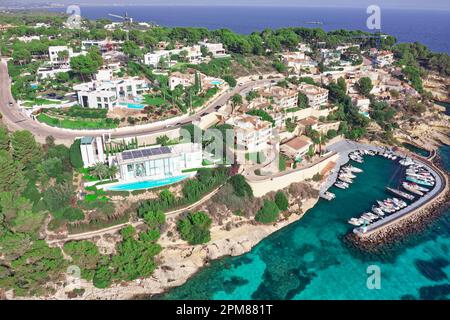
x=16, y=120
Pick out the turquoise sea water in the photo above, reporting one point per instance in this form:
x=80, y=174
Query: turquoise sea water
x=308, y=259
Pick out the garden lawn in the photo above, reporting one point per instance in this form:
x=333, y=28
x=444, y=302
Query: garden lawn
x=75, y=124
x=154, y=101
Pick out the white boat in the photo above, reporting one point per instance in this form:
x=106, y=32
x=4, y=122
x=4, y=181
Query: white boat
x=341, y=185
x=348, y=174
x=416, y=186
x=345, y=179
x=353, y=169
x=355, y=221
x=377, y=211
x=356, y=158
x=328, y=195
x=406, y=162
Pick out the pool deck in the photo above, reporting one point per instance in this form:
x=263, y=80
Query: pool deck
x=117, y=185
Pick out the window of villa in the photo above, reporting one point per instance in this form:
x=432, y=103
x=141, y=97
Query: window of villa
x=130, y=168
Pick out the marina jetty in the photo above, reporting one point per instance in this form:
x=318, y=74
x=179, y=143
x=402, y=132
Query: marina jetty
x=410, y=219
x=385, y=222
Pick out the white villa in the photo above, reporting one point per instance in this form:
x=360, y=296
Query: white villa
x=252, y=134
x=217, y=49
x=92, y=151
x=330, y=55
x=54, y=53
x=304, y=47
x=153, y=59
x=296, y=61
x=317, y=96
x=193, y=55
x=59, y=63
x=384, y=58
x=108, y=94
x=158, y=162
x=184, y=79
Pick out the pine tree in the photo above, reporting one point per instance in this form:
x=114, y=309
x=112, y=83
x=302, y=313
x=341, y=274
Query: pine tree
x=25, y=149
x=11, y=175
x=4, y=138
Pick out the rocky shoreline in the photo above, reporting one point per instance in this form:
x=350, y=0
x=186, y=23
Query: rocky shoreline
x=181, y=261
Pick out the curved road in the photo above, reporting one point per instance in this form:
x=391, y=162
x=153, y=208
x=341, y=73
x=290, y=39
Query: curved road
x=16, y=120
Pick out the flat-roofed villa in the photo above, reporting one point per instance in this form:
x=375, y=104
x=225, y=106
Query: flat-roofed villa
x=92, y=151
x=384, y=58
x=158, y=162
x=193, y=55
x=296, y=61
x=217, y=50
x=317, y=96
x=108, y=94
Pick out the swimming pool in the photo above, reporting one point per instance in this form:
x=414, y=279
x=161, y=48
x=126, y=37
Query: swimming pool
x=365, y=114
x=149, y=184
x=137, y=106
x=216, y=82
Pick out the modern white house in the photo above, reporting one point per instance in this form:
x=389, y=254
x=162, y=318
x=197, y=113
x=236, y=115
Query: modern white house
x=317, y=96
x=384, y=58
x=158, y=162
x=193, y=55
x=251, y=133
x=108, y=94
x=297, y=61
x=92, y=151
x=184, y=79
x=330, y=56
x=217, y=50
x=55, y=53
x=102, y=45
x=50, y=72
x=154, y=59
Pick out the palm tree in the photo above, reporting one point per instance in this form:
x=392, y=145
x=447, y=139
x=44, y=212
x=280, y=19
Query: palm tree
x=113, y=171
x=100, y=170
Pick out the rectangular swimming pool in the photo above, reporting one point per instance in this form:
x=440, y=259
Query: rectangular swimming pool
x=149, y=184
x=136, y=106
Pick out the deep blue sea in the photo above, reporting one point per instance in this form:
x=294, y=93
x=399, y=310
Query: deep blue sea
x=426, y=26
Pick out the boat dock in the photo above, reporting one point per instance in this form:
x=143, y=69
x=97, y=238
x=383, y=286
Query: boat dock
x=344, y=148
x=401, y=193
x=438, y=188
